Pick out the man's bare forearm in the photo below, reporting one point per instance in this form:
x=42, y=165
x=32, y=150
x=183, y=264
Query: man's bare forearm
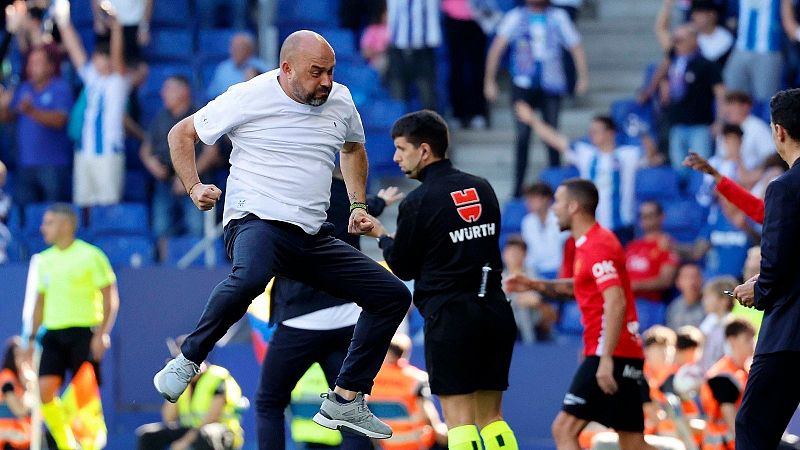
x=354, y=170
x=613, y=318
x=561, y=288
x=182, y=139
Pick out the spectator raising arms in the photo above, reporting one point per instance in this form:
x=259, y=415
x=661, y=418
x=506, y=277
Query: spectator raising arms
x=100, y=157
x=536, y=33
x=40, y=107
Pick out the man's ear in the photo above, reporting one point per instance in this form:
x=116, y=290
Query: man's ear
x=426, y=150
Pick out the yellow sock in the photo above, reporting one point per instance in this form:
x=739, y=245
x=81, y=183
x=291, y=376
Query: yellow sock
x=53, y=414
x=465, y=437
x=498, y=436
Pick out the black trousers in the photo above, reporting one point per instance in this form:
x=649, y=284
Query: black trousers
x=409, y=68
x=157, y=436
x=261, y=249
x=770, y=399
x=291, y=352
x=550, y=107
x=467, y=54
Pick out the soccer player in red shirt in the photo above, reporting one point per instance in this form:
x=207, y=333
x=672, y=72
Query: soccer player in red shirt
x=608, y=386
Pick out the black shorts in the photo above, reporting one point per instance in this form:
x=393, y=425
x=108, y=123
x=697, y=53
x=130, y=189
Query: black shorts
x=621, y=411
x=468, y=345
x=66, y=349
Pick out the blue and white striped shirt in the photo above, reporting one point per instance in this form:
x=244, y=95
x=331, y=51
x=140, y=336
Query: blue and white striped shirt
x=760, y=28
x=414, y=24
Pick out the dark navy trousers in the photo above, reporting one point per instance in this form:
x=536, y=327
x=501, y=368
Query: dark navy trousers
x=291, y=352
x=261, y=249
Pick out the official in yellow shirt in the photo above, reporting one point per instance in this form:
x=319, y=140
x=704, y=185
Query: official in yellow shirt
x=77, y=305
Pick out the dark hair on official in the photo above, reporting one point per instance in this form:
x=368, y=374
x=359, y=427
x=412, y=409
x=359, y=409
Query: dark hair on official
x=585, y=192
x=656, y=204
x=730, y=128
x=540, y=189
x=516, y=240
x=689, y=337
x=785, y=111
x=424, y=126
x=738, y=97
x=736, y=327
x=607, y=121
x=66, y=210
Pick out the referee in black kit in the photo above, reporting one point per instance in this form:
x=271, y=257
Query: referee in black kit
x=447, y=242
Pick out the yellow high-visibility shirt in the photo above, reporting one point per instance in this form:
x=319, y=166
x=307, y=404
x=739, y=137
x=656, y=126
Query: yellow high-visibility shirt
x=71, y=280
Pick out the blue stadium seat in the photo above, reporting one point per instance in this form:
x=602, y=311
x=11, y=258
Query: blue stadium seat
x=380, y=151
x=177, y=247
x=553, y=176
x=650, y=313
x=381, y=114
x=361, y=79
x=684, y=219
x=513, y=213
x=170, y=45
x=506, y=5
x=631, y=118
x=214, y=45
x=306, y=12
x=125, y=250
x=657, y=183
x=570, y=321
x=761, y=110
x=33, y=244
x=15, y=251
x=158, y=73
x=34, y=213
x=14, y=221
x=135, y=190
x=123, y=218
x=132, y=147
x=80, y=12
x=172, y=13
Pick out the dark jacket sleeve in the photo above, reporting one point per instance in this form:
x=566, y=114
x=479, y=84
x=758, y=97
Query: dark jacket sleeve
x=779, y=244
x=375, y=205
x=403, y=253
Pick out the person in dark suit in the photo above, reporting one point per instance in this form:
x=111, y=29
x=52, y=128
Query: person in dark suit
x=772, y=393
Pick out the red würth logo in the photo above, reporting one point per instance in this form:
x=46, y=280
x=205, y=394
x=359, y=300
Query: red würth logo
x=468, y=203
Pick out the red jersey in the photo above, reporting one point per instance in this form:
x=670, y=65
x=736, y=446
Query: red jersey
x=644, y=259
x=599, y=265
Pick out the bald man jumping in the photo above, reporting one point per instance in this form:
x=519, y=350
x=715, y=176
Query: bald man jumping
x=286, y=127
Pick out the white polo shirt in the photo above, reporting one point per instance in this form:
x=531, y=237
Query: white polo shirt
x=283, y=151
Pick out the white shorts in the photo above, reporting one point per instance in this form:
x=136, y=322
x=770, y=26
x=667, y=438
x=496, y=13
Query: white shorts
x=98, y=179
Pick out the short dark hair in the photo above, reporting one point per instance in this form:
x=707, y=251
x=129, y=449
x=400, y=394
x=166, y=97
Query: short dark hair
x=540, y=189
x=689, y=337
x=516, y=240
x=66, y=210
x=738, y=97
x=704, y=5
x=656, y=203
x=730, y=128
x=785, y=111
x=607, y=121
x=738, y=326
x=182, y=79
x=584, y=192
x=424, y=126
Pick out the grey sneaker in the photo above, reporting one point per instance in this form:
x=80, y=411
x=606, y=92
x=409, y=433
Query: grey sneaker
x=354, y=417
x=173, y=379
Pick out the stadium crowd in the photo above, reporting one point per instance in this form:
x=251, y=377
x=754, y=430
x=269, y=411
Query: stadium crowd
x=90, y=99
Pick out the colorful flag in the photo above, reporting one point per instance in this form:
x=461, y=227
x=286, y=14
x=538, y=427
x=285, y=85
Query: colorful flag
x=83, y=409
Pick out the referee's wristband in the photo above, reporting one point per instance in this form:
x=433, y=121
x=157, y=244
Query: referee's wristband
x=358, y=205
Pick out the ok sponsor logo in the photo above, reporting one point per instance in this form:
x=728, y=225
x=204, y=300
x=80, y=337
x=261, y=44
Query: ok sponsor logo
x=604, y=270
x=468, y=204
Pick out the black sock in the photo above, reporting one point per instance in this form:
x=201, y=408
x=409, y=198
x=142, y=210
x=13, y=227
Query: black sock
x=340, y=399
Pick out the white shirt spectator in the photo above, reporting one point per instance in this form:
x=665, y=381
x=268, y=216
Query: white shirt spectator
x=545, y=244
x=713, y=328
x=757, y=142
x=614, y=174
x=129, y=12
x=283, y=151
x=713, y=46
x=414, y=24
x=106, y=100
